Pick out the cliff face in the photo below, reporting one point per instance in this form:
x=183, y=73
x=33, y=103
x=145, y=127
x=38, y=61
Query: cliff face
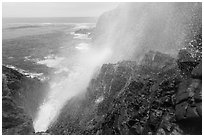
x=15, y=121
x=153, y=97
x=156, y=94
x=21, y=97
x=134, y=28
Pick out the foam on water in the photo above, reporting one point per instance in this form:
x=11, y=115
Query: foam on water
x=64, y=89
x=69, y=80
x=82, y=46
x=81, y=36
x=51, y=61
x=39, y=76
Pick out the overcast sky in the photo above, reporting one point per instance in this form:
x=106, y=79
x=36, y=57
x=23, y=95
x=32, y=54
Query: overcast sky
x=59, y=9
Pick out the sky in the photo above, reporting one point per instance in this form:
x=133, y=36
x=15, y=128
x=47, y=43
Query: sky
x=55, y=9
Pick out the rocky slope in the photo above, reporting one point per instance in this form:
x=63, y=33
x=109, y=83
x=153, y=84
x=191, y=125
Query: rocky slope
x=153, y=97
x=21, y=97
x=153, y=93
x=15, y=121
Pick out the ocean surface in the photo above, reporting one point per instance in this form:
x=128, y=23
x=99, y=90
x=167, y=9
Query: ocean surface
x=36, y=46
x=52, y=50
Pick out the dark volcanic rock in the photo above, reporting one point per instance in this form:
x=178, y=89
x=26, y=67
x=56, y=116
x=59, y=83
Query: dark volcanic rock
x=189, y=97
x=186, y=62
x=126, y=98
x=21, y=97
x=26, y=92
x=15, y=121
x=157, y=95
x=197, y=71
x=84, y=31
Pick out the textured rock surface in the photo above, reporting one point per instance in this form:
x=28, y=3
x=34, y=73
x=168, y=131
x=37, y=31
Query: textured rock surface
x=15, y=121
x=153, y=97
x=20, y=98
x=26, y=92
x=158, y=94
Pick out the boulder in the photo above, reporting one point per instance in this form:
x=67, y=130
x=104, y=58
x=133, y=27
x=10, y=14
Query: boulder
x=181, y=110
x=197, y=71
x=192, y=113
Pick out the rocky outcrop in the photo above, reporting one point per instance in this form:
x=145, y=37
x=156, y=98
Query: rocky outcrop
x=15, y=121
x=84, y=31
x=189, y=97
x=26, y=92
x=144, y=104
x=152, y=97
x=21, y=97
x=153, y=92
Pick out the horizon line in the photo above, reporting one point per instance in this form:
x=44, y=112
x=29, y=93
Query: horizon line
x=57, y=17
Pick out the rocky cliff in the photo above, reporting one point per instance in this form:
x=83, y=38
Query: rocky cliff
x=21, y=97
x=152, y=93
x=153, y=97
x=158, y=91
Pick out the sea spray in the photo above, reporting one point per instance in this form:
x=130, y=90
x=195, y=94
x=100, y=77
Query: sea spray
x=130, y=31
x=75, y=83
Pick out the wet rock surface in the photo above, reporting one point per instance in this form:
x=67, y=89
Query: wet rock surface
x=152, y=97
x=20, y=99
x=15, y=121
x=26, y=92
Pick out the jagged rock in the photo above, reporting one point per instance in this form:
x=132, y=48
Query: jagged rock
x=14, y=119
x=21, y=97
x=188, y=89
x=197, y=71
x=181, y=110
x=26, y=92
x=84, y=31
x=5, y=89
x=186, y=62
x=192, y=113
x=198, y=96
x=135, y=101
x=185, y=56
x=156, y=60
x=161, y=132
x=188, y=93
x=199, y=108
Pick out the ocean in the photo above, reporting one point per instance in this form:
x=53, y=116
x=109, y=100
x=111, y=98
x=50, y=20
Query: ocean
x=56, y=50
x=35, y=45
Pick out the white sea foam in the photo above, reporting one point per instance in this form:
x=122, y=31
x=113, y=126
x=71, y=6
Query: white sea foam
x=82, y=46
x=81, y=36
x=39, y=76
x=62, y=69
x=27, y=58
x=65, y=88
x=83, y=26
x=10, y=57
x=74, y=80
x=51, y=61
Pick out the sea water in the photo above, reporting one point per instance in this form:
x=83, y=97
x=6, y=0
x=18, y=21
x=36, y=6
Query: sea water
x=51, y=50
